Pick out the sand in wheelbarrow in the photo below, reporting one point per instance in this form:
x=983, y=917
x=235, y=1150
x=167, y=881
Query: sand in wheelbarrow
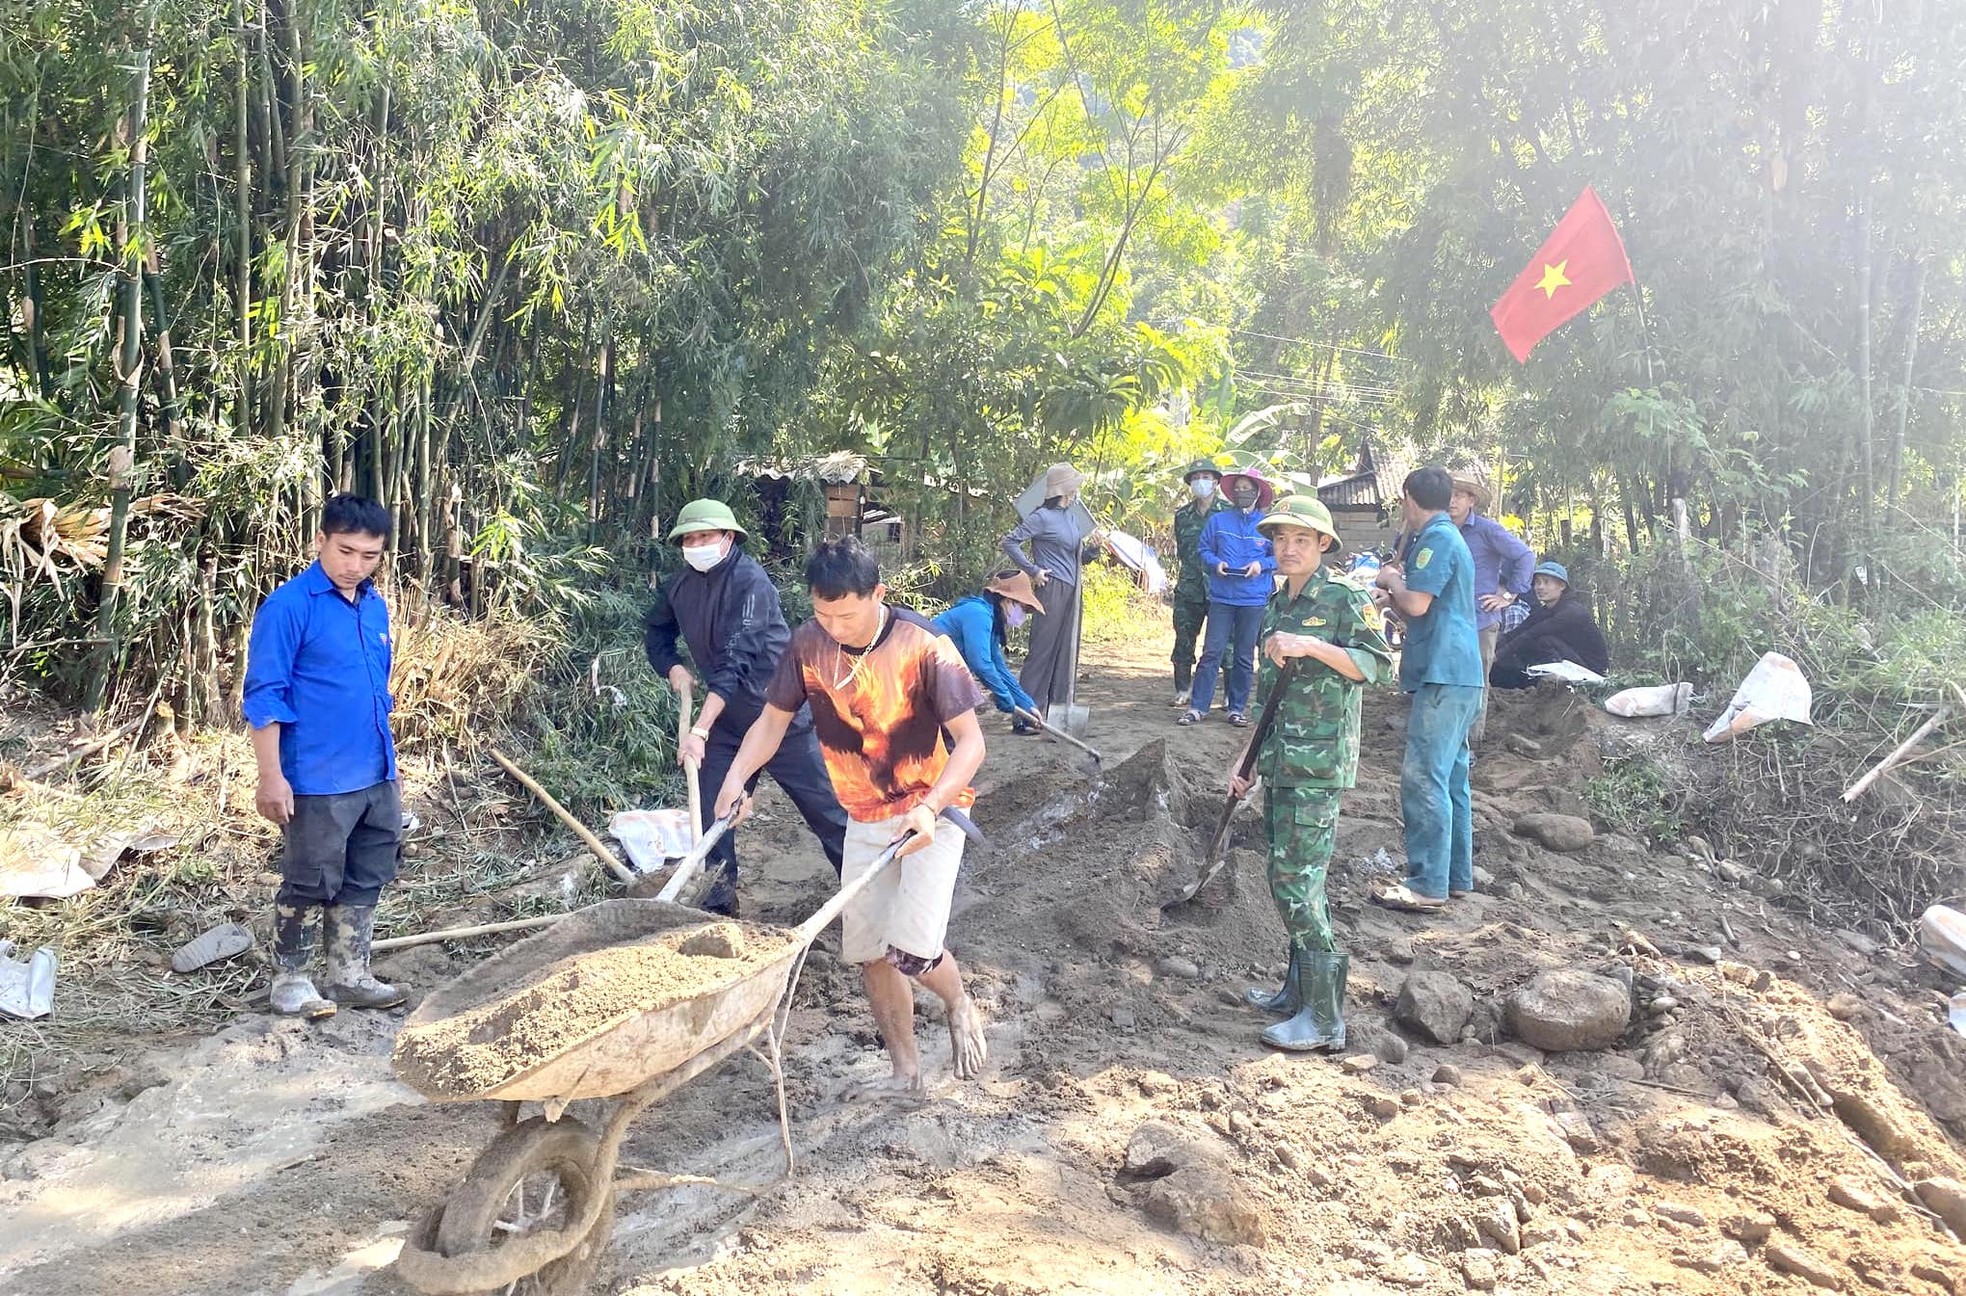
x=534, y=1019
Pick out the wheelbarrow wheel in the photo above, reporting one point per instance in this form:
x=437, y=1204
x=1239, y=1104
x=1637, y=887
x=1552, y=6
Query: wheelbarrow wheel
x=537, y=1176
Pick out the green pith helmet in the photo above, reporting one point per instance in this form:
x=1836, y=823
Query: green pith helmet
x=1201, y=466
x=1307, y=511
x=705, y=515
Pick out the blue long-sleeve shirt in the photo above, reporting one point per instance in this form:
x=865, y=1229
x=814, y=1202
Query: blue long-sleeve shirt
x=972, y=626
x=318, y=665
x=1230, y=538
x=1501, y=562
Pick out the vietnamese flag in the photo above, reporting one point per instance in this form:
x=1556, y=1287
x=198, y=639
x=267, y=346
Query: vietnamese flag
x=1579, y=262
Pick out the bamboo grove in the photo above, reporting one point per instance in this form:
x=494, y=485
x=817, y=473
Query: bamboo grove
x=535, y=271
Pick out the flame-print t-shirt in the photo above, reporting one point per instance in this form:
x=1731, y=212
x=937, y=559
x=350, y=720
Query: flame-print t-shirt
x=879, y=712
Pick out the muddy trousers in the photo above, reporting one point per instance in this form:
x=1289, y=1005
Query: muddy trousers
x=1434, y=799
x=342, y=849
x=1302, y=823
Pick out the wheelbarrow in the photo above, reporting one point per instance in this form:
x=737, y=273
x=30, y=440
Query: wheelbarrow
x=534, y=1211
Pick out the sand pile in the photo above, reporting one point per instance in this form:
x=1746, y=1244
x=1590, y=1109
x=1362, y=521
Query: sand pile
x=485, y=1034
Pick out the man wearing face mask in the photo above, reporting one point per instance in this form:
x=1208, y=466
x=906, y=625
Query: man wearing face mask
x=1204, y=481
x=725, y=610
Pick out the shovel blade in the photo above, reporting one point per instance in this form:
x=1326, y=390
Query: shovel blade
x=1067, y=718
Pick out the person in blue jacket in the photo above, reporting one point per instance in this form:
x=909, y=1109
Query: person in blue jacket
x=1241, y=577
x=979, y=624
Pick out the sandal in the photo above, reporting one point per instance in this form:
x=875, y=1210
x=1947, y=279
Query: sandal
x=221, y=942
x=1189, y=717
x=1406, y=900
x=1238, y=720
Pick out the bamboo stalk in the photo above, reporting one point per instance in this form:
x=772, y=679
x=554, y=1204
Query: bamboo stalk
x=459, y=933
x=1897, y=755
x=593, y=843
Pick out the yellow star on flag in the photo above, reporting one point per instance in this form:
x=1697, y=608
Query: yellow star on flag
x=1554, y=278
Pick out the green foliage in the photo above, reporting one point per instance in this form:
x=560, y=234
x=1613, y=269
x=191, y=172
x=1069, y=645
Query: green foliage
x=1636, y=796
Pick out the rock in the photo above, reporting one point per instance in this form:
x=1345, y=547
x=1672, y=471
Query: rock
x=1399, y=950
x=1945, y=1198
x=1204, y=1201
x=1751, y=1229
x=1411, y=1098
x=1683, y=1214
x=1543, y=1231
x=1435, y=1005
x=1721, y=1257
x=1738, y=874
x=1478, y=1269
x=1176, y=966
x=1617, y=1066
x=1843, y=1005
x=1933, y=1272
x=420, y=965
x=1384, y=1106
x=1483, y=878
x=1389, y=1048
x=1407, y=1271
x=1786, y=1257
x=1738, y=973
x=1877, y=1127
x=1523, y=745
x=1359, y=1063
x=1858, y=1196
x=1566, y=1011
x=1706, y=953
x=1497, y=1223
x=1448, y=1074
x=1576, y=1130
x=1123, y=1018
x=1860, y=943
x=1557, y=832
x=1158, y=1149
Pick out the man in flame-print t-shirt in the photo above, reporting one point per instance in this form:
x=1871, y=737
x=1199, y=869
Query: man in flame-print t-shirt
x=884, y=686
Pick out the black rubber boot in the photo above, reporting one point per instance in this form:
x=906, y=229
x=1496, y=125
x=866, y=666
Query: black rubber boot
x=1283, y=1002
x=1321, y=986
x=293, y=993
x=349, y=929
x=721, y=898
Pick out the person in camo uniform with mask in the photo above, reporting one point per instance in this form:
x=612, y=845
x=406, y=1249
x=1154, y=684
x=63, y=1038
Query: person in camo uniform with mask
x=1328, y=624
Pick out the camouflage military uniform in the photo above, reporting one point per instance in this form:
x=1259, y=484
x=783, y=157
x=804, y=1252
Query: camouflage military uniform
x=1310, y=754
x=1190, y=588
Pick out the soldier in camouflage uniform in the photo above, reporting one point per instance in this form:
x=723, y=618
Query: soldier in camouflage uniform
x=1309, y=756
x=1204, y=481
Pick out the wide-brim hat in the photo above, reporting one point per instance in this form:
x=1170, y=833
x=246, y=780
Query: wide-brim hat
x=1553, y=569
x=705, y=515
x=1265, y=492
x=1200, y=466
x=1017, y=587
x=1307, y=511
x=1061, y=479
x=1475, y=483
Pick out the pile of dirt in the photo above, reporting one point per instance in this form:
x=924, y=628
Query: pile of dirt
x=512, y=1023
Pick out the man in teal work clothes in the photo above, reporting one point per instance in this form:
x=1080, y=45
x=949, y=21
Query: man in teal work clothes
x=1432, y=588
x=1328, y=625
x=1204, y=482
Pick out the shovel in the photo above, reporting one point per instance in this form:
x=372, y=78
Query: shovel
x=1059, y=734
x=1067, y=718
x=1218, y=847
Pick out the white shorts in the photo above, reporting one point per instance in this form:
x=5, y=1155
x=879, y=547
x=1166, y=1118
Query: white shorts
x=908, y=905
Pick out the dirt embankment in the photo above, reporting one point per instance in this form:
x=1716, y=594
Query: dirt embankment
x=1754, y=1121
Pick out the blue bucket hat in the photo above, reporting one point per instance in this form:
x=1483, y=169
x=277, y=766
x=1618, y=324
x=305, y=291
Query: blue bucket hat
x=1555, y=569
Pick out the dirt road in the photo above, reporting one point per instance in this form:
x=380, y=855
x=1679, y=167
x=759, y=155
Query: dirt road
x=1748, y=1132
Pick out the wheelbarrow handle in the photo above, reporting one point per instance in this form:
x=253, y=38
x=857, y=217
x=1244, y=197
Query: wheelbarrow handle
x=687, y=866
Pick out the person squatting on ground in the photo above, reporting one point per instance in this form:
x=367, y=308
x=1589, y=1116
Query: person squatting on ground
x=1309, y=757
x=1240, y=580
x=726, y=611
x=1059, y=545
x=1432, y=589
x=1561, y=629
x=1204, y=481
x=317, y=698
x=1501, y=571
x=883, y=685
x=979, y=625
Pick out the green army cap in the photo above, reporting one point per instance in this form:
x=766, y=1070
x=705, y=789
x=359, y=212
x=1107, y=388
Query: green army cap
x=1200, y=466
x=1307, y=511
x=705, y=515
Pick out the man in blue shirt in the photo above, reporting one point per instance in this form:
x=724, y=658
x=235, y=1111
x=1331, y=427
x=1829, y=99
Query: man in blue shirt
x=1502, y=567
x=1241, y=569
x=1432, y=588
x=317, y=698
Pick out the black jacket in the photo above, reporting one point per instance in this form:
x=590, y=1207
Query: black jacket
x=730, y=619
x=1563, y=631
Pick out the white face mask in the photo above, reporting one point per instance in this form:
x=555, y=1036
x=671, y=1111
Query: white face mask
x=704, y=556
x=1203, y=487
x=1014, y=613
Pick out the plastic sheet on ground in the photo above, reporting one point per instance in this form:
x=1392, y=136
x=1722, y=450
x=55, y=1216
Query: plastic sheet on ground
x=27, y=989
x=1774, y=690
x=1652, y=700
x=1140, y=558
x=651, y=837
x=35, y=862
x=1942, y=936
x=1567, y=671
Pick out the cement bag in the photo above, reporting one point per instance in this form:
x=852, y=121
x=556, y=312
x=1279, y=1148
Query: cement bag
x=1657, y=700
x=651, y=837
x=1773, y=690
x=1942, y=936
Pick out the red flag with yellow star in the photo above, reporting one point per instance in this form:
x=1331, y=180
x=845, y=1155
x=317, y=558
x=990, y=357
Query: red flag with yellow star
x=1580, y=261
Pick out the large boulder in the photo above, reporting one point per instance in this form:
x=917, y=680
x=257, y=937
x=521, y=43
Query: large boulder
x=1434, y=1005
x=1190, y=1187
x=1557, y=832
x=1566, y=1011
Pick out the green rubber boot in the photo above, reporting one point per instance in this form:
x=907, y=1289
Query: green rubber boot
x=1321, y=988
x=1283, y=1002
x=349, y=929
